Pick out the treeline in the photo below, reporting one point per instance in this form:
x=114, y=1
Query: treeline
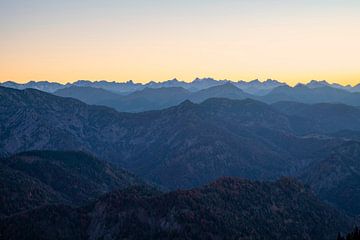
x=354, y=235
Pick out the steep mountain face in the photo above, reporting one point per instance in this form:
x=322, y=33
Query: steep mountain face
x=183, y=146
x=336, y=178
x=304, y=94
x=20, y=192
x=322, y=117
x=37, y=178
x=87, y=95
x=229, y=208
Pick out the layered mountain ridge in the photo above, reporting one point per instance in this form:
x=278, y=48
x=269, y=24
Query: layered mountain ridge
x=254, y=87
x=229, y=208
x=182, y=146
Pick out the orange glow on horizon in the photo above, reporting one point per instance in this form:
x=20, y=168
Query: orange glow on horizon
x=222, y=40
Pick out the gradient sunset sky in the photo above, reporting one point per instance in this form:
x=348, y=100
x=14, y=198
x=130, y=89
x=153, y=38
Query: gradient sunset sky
x=289, y=40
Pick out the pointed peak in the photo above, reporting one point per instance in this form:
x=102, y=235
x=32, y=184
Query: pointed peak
x=319, y=81
x=269, y=80
x=255, y=81
x=186, y=103
x=300, y=85
x=204, y=79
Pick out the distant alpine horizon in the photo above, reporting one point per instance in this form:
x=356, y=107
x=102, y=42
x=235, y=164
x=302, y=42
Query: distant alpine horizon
x=311, y=82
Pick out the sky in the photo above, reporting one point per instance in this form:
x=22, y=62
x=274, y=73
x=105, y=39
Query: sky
x=142, y=40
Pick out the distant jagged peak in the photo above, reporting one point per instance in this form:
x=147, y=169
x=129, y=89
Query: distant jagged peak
x=274, y=82
x=300, y=85
x=206, y=79
x=222, y=86
x=255, y=87
x=324, y=83
x=269, y=80
x=257, y=81
x=31, y=82
x=317, y=83
x=168, y=83
x=10, y=81
x=89, y=82
x=173, y=80
x=82, y=81
x=39, y=82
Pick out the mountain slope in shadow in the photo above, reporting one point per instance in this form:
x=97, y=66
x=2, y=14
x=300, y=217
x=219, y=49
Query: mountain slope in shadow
x=33, y=179
x=229, y=208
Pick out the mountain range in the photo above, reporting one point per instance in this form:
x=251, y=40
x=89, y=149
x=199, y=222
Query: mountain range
x=305, y=94
x=183, y=146
x=161, y=98
x=254, y=87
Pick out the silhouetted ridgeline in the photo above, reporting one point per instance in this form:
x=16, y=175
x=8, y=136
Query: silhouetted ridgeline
x=354, y=235
x=229, y=208
x=253, y=87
